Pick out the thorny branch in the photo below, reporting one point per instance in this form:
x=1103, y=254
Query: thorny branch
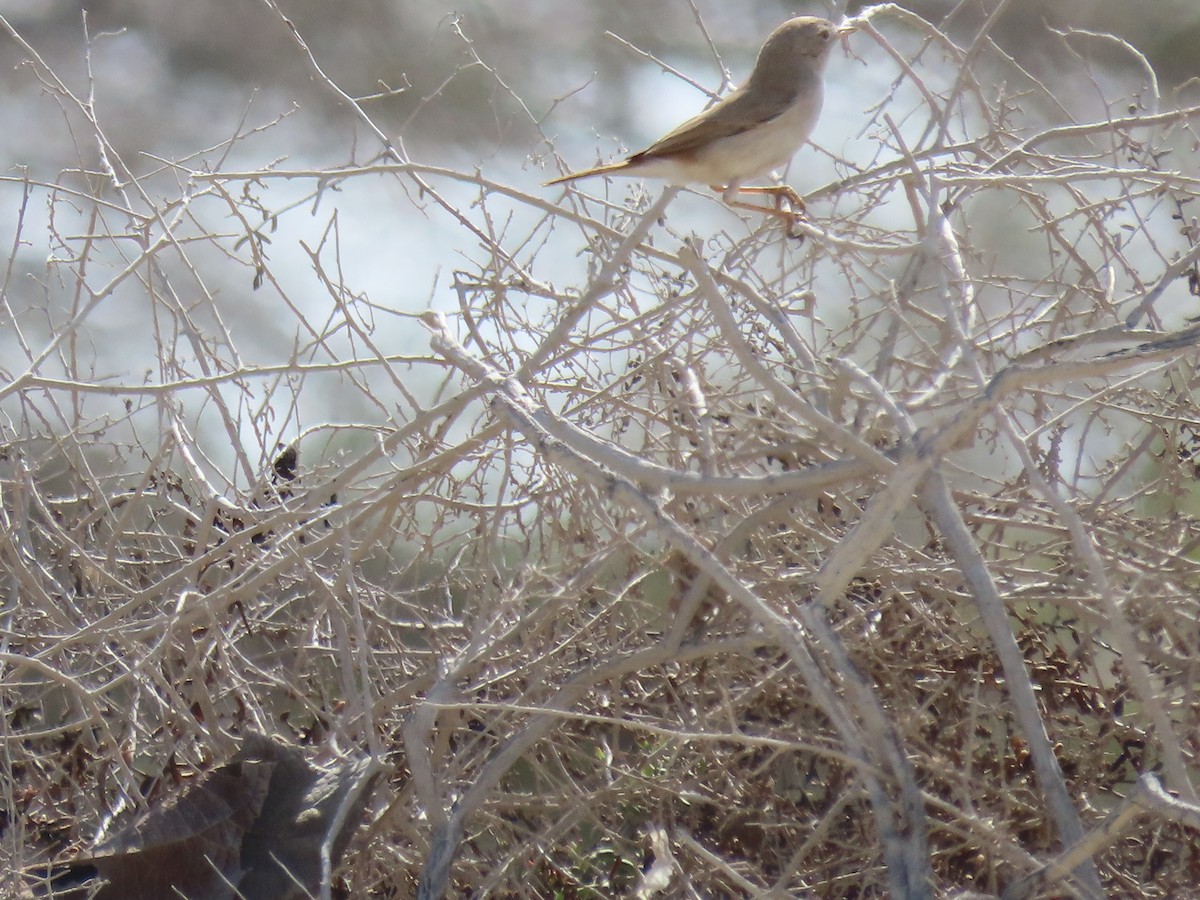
x=865, y=564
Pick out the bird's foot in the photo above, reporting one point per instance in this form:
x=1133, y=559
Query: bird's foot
x=787, y=206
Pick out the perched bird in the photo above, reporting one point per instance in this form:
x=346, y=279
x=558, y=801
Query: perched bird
x=751, y=131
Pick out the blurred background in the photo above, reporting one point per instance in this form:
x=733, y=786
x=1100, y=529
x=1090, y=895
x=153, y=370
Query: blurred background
x=516, y=91
x=172, y=73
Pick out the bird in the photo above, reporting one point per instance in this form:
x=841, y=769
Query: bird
x=754, y=129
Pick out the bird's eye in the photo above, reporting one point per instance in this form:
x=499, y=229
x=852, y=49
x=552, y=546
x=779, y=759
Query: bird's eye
x=825, y=34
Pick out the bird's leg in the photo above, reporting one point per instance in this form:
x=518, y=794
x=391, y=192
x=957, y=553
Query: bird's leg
x=782, y=194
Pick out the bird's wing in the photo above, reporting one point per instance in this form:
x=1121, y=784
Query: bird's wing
x=734, y=114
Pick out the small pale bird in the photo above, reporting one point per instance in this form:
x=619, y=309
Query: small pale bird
x=754, y=129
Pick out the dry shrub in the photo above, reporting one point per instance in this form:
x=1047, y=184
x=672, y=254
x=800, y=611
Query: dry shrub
x=711, y=565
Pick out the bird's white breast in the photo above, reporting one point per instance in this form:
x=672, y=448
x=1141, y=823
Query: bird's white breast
x=759, y=150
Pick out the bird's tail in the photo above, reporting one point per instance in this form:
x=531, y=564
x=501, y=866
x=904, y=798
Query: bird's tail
x=588, y=173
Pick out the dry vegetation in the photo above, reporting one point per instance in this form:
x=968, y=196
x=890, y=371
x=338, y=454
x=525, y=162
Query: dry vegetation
x=858, y=566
